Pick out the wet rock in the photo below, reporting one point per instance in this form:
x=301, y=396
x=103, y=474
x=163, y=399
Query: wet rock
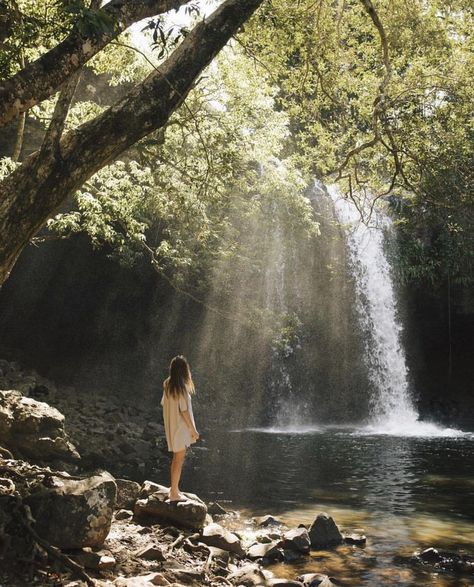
x=354, y=538
x=127, y=493
x=441, y=560
x=74, y=513
x=248, y=575
x=324, y=532
x=265, y=521
x=151, y=553
x=297, y=539
x=316, y=580
x=34, y=429
x=257, y=551
x=154, y=504
x=216, y=535
x=431, y=555
x=215, y=509
x=275, y=554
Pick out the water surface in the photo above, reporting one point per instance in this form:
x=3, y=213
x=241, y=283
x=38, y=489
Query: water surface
x=406, y=493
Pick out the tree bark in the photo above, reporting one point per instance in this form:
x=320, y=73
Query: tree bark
x=41, y=78
x=31, y=194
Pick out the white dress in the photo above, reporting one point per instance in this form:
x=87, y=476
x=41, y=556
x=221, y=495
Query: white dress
x=178, y=435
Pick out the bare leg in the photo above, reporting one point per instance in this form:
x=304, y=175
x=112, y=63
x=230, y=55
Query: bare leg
x=176, y=468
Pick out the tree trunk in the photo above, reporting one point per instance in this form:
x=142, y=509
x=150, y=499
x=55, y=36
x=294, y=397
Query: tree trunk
x=31, y=194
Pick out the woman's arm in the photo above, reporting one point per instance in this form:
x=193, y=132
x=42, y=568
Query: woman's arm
x=190, y=425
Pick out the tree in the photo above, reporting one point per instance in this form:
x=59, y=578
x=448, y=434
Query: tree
x=30, y=194
x=370, y=89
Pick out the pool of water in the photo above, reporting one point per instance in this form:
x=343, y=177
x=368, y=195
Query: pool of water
x=406, y=493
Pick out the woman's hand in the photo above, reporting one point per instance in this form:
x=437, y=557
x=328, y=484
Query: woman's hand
x=194, y=435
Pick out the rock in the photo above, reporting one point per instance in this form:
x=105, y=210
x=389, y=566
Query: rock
x=216, y=509
x=107, y=563
x=94, y=560
x=123, y=514
x=219, y=554
x=278, y=582
x=7, y=487
x=154, y=504
x=257, y=551
x=142, y=580
x=34, y=429
x=74, y=513
x=265, y=521
x=216, y=535
x=151, y=553
x=297, y=539
x=316, y=580
x=127, y=493
x=248, y=575
x=273, y=555
x=324, y=532
x=5, y=453
x=431, y=555
x=354, y=538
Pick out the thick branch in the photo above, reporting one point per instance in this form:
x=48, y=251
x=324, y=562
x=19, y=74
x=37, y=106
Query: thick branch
x=31, y=194
x=42, y=78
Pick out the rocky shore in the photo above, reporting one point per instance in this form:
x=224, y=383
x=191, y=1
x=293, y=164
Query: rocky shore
x=66, y=522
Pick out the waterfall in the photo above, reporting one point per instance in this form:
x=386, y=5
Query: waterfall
x=391, y=408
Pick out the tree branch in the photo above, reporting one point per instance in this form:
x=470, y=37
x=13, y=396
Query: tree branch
x=42, y=78
x=31, y=194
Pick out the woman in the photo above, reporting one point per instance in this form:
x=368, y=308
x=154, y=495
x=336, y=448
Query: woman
x=178, y=418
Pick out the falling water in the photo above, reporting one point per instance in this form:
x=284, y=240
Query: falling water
x=392, y=410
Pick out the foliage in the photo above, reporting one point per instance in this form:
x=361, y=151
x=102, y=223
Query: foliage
x=314, y=96
x=414, y=115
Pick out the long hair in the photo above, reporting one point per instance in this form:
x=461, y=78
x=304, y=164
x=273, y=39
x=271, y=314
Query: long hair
x=179, y=380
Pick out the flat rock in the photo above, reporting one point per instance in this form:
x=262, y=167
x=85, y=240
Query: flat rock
x=127, y=493
x=324, y=532
x=216, y=535
x=297, y=539
x=154, y=504
x=74, y=513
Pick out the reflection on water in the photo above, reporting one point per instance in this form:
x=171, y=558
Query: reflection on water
x=406, y=493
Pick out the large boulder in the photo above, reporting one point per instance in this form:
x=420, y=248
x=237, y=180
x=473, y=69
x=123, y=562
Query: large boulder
x=153, y=504
x=324, y=532
x=33, y=429
x=74, y=513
